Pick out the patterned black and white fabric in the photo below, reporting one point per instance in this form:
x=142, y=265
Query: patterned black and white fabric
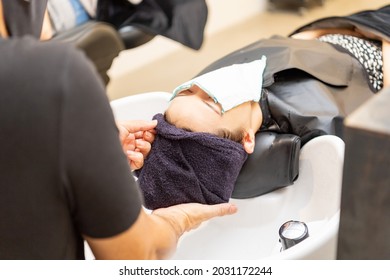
x=367, y=52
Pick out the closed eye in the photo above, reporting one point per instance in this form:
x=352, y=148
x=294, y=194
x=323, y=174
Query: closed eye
x=213, y=106
x=185, y=92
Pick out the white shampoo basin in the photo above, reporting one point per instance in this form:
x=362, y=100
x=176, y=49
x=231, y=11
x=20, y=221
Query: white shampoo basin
x=253, y=233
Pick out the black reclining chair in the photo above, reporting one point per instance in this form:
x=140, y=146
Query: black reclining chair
x=122, y=26
x=101, y=42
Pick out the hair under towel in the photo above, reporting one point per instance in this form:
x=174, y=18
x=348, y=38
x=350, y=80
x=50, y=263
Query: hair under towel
x=185, y=167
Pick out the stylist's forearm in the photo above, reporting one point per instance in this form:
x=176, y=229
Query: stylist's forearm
x=155, y=236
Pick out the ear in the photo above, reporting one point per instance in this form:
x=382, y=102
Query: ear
x=248, y=141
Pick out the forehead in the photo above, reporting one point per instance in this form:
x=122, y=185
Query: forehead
x=191, y=114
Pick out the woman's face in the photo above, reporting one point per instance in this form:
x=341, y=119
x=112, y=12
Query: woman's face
x=194, y=110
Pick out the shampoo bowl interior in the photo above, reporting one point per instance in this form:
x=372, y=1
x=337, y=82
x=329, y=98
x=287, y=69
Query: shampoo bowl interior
x=252, y=233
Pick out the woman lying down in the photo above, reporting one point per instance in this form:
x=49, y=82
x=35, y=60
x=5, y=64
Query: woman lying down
x=304, y=84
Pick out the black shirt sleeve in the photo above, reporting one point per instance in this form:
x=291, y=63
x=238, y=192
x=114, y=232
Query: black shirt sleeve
x=103, y=195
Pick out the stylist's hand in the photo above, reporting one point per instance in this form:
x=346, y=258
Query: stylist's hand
x=155, y=235
x=184, y=217
x=136, y=137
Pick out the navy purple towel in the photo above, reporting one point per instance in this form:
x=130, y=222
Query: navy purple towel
x=187, y=167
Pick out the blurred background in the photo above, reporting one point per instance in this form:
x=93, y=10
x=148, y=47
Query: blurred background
x=162, y=64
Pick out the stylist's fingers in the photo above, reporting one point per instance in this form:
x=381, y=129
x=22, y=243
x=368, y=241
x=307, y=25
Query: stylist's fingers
x=202, y=212
x=185, y=217
x=129, y=142
x=149, y=136
x=199, y=213
x=136, y=160
x=143, y=147
x=134, y=126
x=136, y=150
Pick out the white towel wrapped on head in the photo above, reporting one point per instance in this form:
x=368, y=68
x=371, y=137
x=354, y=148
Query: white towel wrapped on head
x=232, y=85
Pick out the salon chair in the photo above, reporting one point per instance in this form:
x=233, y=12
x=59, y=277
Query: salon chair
x=101, y=42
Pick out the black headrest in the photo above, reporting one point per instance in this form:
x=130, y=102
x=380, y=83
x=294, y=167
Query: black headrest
x=273, y=164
